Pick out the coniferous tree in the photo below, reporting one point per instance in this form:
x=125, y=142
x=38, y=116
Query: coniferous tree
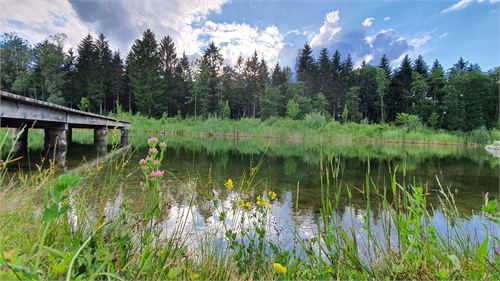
x=87, y=77
x=420, y=66
x=212, y=63
x=104, y=95
x=144, y=74
x=335, y=96
x=168, y=62
x=399, y=95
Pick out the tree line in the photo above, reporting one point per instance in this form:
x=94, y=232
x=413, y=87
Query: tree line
x=154, y=80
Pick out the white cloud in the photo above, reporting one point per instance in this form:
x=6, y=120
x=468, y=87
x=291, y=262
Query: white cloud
x=35, y=20
x=242, y=39
x=464, y=4
x=327, y=31
x=443, y=35
x=387, y=18
x=368, y=22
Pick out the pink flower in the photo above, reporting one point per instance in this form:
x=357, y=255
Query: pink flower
x=156, y=162
x=152, y=141
x=163, y=145
x=148, y=158
x=157, y=173
x=143, y=162
x=153, y=150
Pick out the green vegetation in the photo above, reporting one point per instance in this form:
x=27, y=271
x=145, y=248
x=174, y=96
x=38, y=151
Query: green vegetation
x=156, y=82
x=313, y=127
x=58, y=227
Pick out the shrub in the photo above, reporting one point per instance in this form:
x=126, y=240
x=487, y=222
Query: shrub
x=315, y=120
x=409, y=121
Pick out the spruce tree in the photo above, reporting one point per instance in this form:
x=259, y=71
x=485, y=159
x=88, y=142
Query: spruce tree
x=144, y=74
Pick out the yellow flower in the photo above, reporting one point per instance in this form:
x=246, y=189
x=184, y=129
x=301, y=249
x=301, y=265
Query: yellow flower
x=280, y=269
x=270, y=207
x=247, y=205
x=261, y=202
x=229, y=184
x=272, y=195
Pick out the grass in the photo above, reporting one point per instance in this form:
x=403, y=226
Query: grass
x=59, y=227
x=284, y=128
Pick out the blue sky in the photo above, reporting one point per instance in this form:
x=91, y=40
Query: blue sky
x=276, y=29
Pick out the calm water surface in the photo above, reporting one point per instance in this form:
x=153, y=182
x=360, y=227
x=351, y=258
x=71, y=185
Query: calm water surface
x=197, y=168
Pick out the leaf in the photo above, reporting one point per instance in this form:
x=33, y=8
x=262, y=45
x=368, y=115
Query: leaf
x=482, y=252
x=50, y=213
x=70, y=181
x=490, y=207
x=174, y=272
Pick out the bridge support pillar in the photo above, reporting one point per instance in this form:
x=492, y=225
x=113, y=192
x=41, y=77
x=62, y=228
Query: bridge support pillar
x=20, y=141
x=124, y=137
x=100, y=139
x=69, y=135
x=56, y=142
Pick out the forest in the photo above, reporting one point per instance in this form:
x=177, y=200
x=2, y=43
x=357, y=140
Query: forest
x=155, y=81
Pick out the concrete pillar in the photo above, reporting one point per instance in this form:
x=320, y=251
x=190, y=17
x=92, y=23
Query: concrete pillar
x=69, y=135
x=56, y=142
x=101, y=139
x=124, y=137
x=20, y=142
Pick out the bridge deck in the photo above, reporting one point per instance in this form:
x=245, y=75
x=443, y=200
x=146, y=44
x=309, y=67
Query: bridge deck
x=17, y=110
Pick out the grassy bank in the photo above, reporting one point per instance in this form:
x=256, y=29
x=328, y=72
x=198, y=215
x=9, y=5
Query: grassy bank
x=307, y=129
x=63, y=228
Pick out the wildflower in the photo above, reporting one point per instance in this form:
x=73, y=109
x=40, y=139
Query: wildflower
x=143, y=161
x=153, y=150
x=261, y=202
x=163, y=145
x=157, y=173
x=229, y=184
x=152, y=141
x=270, y=207
x=280, y=269
x=148, y=158
x=247, y=205
x=272, y=195
x=156, y=162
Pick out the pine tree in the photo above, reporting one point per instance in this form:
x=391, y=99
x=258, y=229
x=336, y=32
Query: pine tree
x=144, y=74
x=117, y=82
x=168, y=62
x=87, y=77
x=104, y=95
x=337, y=88
x=305, y=63
x=325, y=73
x=399, y=95
x=386, y=66
x=420, y=66
x=212, y=63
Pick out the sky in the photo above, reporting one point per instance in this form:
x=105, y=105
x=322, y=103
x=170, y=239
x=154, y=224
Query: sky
x=277, y=29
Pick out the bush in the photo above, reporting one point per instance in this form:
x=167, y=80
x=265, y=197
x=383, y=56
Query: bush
x=409, y=121
x=315, y=120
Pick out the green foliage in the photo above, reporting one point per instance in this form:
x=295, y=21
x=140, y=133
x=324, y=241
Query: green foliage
x=409, y=121
x=84, y=104
x=433, y=120
x=158, y=82
x=292, y=109
x=58, y=204
x=226, y=111
x=315, y=120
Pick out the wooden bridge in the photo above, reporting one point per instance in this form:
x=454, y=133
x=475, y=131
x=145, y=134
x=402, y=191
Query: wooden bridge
x=23, y=113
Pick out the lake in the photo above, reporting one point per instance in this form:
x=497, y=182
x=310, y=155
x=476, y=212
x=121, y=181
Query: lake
x=197, y=168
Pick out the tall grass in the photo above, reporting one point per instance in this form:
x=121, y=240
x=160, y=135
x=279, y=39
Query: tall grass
x=308, y=128
x=59, y=228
